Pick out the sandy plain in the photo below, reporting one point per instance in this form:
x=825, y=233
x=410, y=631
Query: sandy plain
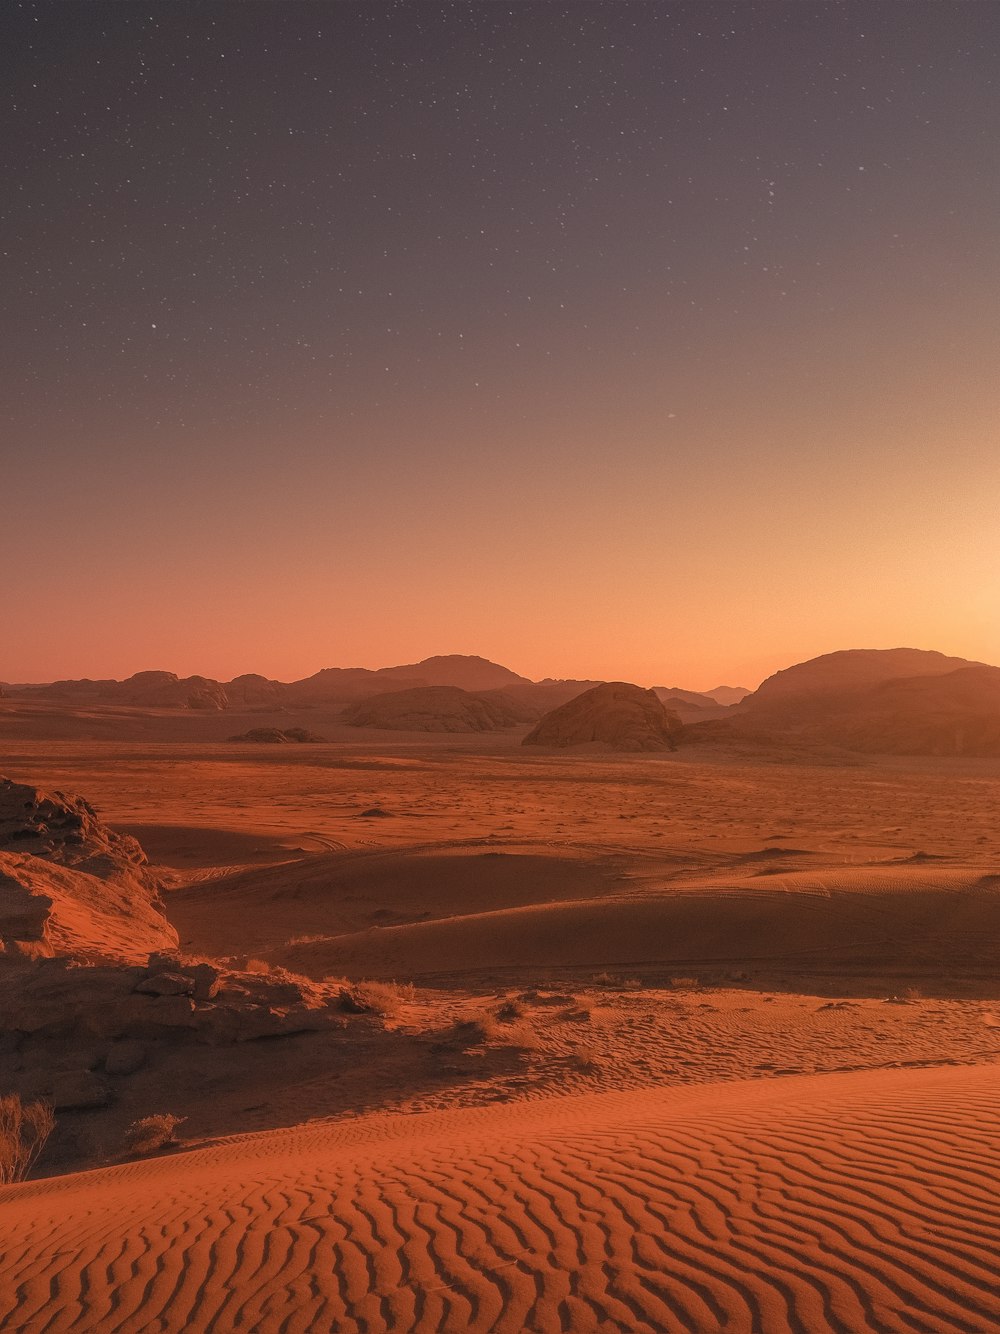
x=707, y=1041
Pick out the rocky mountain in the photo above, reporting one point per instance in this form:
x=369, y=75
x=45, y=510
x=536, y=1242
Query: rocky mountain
x=614, y=716
x=816, y=685
x=891, y=701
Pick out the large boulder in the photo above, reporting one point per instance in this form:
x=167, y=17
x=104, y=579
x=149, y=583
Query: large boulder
x=69, y=885
x=615, y=716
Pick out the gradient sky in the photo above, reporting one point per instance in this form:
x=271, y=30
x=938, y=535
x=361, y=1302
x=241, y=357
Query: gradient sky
x=643, y=340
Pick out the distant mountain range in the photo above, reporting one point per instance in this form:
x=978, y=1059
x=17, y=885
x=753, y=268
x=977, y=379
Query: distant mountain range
x=896, y=701
x=332, y=687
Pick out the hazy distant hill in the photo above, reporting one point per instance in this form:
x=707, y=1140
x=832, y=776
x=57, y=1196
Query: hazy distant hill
x=331, y=687
x=436, y=709
x=151, y=690
x=893, y=701
x=820, y=681
x=728, y=694
x=690, y=706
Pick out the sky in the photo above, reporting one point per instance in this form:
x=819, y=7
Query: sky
x=615, y=339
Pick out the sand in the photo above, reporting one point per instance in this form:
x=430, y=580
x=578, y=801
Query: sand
x=694, y=1042
x=841, y=1203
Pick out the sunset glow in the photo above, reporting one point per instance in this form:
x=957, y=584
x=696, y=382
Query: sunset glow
x=639, y=341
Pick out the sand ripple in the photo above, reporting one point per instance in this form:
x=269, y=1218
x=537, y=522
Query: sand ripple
x=845, y=1202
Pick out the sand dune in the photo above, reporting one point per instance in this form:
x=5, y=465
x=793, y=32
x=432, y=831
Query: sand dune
x=416, y=916
x=847, y=1203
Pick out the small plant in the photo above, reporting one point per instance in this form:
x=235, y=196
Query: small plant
x=152, y=1133
x=586, y=1059
x=510, y=1010
x=24, y=1129
x=382, y=998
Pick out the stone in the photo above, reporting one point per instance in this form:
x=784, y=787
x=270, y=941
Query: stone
x=125, y=1057
x=206, y=981
x=166, y=984
x=78, y=1090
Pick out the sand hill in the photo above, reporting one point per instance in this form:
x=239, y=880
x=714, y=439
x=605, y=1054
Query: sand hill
x=616, y=716
x=70, y=885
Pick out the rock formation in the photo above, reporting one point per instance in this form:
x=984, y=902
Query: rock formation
x=70, y=885
x=436, y=709
x=616, y=716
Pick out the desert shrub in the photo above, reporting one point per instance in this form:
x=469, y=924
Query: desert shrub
x=152, y=1133
x=24, y=1129
x=488, y=1028
x=382, y=998
x=586, y=1058
x=510, y=1010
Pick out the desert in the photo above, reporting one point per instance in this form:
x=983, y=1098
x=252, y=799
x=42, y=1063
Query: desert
x=499, y=667
x=441, y=1030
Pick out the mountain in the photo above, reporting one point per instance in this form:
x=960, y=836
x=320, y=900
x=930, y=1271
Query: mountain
x=728, y=694
x=331, y=687
x=435, y=709
x=816, y=684
x=689, y=705
x=149, y=690
x=614, y=716
x=457, y=669
x=891, y=701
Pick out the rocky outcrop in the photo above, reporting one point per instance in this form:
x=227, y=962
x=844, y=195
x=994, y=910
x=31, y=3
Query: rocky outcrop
x=165, y=997
x=616, y=716
x=70, y=1034
x=70, y=885
x=435, y=709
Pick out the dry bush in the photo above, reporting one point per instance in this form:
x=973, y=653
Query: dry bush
x=586, y=1058
x=488, y=1028
x=24, y=1129
x=509, y=1010
x=382, y=998
x=257, y=966
x=152, y=1133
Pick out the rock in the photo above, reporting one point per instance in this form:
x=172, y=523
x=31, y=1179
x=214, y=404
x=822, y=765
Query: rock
x=351, y=1004
x=125, y=1057
x=616, y=716
x=144, y=1016
x=78, y=1090
x=206, y=981
x=435, y=709
x=69, y=884
x=166, y=984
